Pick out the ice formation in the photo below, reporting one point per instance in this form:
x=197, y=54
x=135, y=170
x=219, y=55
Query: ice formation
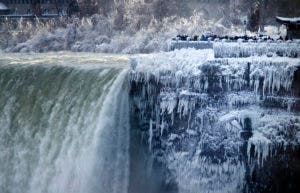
x=218, y=118
x=246, y=49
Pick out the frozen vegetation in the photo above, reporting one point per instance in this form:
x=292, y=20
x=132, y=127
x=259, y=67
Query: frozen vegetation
x=99, y=34
x=134, y=26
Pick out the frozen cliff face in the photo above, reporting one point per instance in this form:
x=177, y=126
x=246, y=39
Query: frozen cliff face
x=216, y=122
x=200, y=71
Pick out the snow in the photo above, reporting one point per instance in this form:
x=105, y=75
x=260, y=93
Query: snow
x=188, y=68
x=272, y=130
x=204, y=103
x=293, y=20
x=181, y=62
x=173, y=137
x=211, y=177
x=241, y=99
x=168, y=102
x=150, y=134
x=262, y=147
x=247, y=49
x=130, y=32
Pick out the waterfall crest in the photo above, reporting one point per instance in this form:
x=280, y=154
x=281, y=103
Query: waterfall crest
x=63, y=128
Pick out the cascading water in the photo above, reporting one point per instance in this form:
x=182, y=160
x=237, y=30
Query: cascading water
x=64, y=124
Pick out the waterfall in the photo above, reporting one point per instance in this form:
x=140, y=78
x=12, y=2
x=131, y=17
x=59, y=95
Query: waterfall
x=63, y=127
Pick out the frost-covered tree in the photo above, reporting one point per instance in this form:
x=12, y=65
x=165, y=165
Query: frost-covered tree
x=254, y=17
x=164, y=8
x=119, y=15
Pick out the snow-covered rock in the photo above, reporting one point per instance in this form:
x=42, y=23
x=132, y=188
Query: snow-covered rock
x=213, y=117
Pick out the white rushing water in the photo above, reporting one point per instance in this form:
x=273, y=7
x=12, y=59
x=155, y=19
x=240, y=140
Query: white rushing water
x=64, y=124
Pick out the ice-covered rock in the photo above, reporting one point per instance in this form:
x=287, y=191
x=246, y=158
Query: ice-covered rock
x=213, y=123
x=247, y=49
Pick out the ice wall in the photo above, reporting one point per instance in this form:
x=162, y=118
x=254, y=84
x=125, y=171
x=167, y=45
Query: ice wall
x=212, y=123
x=257, y=48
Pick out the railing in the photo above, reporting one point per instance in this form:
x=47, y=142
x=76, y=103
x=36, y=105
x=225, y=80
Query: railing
x=30, y=16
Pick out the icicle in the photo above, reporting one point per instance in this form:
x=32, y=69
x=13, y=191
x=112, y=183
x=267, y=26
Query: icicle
x=256, y=86
x=290, y=103
x=262, y=147
x=220, y=83
x=206, y=84
x=162, y=126
x=150, y=134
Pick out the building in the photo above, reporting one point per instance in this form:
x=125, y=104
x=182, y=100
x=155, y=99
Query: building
x=19, y=7
x=292, y=26
x=4, y=10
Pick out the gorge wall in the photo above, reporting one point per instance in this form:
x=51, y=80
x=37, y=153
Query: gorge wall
x=219, y=123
